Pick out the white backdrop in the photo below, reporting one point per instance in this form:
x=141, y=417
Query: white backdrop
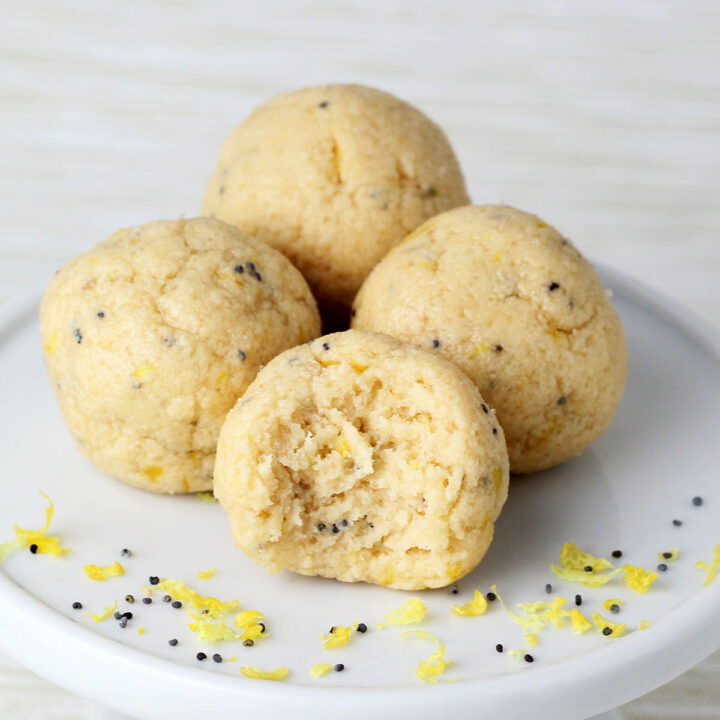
x=601, y=116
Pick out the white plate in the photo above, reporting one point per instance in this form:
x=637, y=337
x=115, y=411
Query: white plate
x=661, y=450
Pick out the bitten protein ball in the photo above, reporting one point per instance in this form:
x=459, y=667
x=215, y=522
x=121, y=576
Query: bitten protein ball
x=517, y=307
x=151, y=337
x=359, y=457
x=333, y=177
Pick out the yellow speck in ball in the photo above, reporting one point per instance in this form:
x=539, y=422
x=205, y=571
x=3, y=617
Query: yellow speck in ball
x=409, y=612
x=103, y=572
x=144, y=371
x=152, y=472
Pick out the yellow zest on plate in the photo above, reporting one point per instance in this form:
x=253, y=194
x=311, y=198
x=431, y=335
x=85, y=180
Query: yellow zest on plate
x=643, y=625
x=575, y=559
x=436, y=664
x=279, y=673
x=639, y=579
x=141, y=631
x=532, y=624
x=206, y=497
x=477, y=606
x=213, y=630
x=608, y=604
x=590, y=579
x=206, y=574
x=712, y=568
x=579, y=622
x=339, y=635
x=603, y=626
x=407, y=613
x=517, y=653
x=320, y=669
x=421, y=634
x=103, y=572
x=104, y=615
x=49, y=544
x=180, y=591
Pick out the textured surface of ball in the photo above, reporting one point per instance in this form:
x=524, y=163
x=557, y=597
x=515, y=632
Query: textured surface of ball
x=152, y=336
x=333, y=177
x=517, y=307
x=359, y=457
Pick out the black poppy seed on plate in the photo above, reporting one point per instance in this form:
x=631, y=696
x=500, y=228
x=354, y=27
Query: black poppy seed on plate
x=436, y=343
x=77, y=335
x=588, y=568
x=117, y=614
x=262, y=627
x=125, y=552
x=578, y=600
x=127, y=615
x=362, y=628
x=529, y=658
x=154, y=579
x=239, y=269
x=499, y=647
x=129, y=599
x=201, y=656
x=484, y=408
x=147, y=600
x=33, y=548
x=248, y=643
x=173, y=642
x=548, y=588
x=667, y=555
x=339, y=667
x=614, y=608
x=677, y=523
x=607, y=631
x=166, y=598
x=325, y=346
x=697, y=501
x=217, y=657
x=176, y=604
x=553, y=286
x=123, y=622
x=455, y=591
x=332, y=629
x=77, y=605
x=491, y=596
x=662, y=567
x=617, y=553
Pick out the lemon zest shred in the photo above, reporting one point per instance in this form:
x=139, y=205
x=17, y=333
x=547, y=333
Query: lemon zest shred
x=213, y=631
x=610, y=602
x=180, y=591
x=104, y=615
x=436, y=664
x=103, y=572
x=421, y=634
x=712, y=568
x=531, y=639
x=477, y=606
x=572, y=557
x=556, y=612
x=206, y=574
x=585, y=578
x=279, y=673
x=638, y=578
x=48, y=544
x=206, y=497
x=320, y=669
x=231, y=659
x=532, y=624
x=643, y=625
x=339, y=636
x=141, y=631
x=409, y=612
x=579, y=622
x=517, y=653
x=601, y=623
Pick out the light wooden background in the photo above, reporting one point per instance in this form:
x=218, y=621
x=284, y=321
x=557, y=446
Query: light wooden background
x=601, y=116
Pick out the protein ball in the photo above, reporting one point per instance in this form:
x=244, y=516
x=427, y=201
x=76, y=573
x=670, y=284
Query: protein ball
x=383, y=441
x=146, y=390
x=518, y=308
x=334, y=176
